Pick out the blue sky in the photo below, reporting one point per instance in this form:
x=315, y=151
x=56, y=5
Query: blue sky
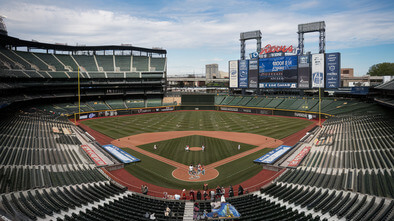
x=199, y=32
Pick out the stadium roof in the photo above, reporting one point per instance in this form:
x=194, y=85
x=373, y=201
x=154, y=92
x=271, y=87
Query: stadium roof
x=386, y=86
x=16, y=42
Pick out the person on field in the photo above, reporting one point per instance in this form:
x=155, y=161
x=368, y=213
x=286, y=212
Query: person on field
x=205, y=194
x=218, y=191
x=183, y=194
x=202, y=148
x=155, y=147
x=145, y=190
x=191, y=193
x=231, y=191
x=191, y=169
x=187, y=148
x=239, y=146
x=240, y=190
x=198, y=195
x=205, y=187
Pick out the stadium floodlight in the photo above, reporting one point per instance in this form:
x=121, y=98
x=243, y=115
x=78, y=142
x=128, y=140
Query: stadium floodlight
x=248, y=36
x=3, y=27
x=320, y=27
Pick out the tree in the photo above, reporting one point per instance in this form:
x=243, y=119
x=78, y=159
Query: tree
x=382, y=69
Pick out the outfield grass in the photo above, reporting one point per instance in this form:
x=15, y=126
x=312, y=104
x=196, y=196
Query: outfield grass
x=160, y=174
x=215, y=149
x=275, y=127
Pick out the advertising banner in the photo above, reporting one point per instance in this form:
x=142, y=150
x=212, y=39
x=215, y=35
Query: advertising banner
x=318, y=71
x=333, y=68
x=253, y=73
x=243, y=74
x=273, y=155
x=276, y=64
x=233, y=71
x=93, y=155
x=297, y=159
x=278, y=85
x=304, y=61
x=120, y=154
x=304, y=77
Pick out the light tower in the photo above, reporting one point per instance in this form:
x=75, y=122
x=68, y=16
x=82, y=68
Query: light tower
x=248, y=36
x=3, y=28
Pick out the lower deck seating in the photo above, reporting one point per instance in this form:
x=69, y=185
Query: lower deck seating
x=132, y=207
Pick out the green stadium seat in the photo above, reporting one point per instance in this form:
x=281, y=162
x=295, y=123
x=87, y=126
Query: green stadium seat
x=105, y=62
x=140, y=63
x=86, y=61
x=68, y=61
x=123, y=62
x=157, y=64
x=274, y=102
x=135, y=103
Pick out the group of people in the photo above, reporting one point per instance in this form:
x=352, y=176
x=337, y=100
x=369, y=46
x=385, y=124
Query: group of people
x=196, y=170
x=214, y=194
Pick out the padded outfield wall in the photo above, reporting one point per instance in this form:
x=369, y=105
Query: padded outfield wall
x=200, y=102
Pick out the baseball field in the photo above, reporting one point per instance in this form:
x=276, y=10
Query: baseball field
x=219, y=132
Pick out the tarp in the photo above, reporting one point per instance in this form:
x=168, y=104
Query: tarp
x=93, y=155
x=297, y=159
x=273, y=155
x=226, y=210
x=120, y=154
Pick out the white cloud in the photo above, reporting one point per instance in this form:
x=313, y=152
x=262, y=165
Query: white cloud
x=196, y=24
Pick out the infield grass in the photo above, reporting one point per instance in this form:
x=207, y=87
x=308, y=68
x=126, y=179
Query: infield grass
x=158, y=173
x=215, y=149
x=275, y=127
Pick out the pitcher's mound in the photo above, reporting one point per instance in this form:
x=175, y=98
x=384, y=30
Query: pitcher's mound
x=195, y=149
x=183, y=174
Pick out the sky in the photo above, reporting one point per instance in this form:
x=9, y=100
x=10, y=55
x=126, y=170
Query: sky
x=200, y=32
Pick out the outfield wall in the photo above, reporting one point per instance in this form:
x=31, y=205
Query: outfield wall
x=239, y=109
x=270, y=111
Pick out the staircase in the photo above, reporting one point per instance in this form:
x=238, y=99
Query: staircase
x=188, y=213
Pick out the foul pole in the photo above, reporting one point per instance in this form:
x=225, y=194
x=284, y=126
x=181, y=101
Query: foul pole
x=79, y=96
x=319, y=107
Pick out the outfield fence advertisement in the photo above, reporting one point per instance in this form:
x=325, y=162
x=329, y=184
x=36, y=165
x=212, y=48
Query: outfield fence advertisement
x=246, y=110
x=273, y=155
x=233, y=70
x=253, y=73
x=120, y=154
x=333, y=68
x=243, y=73
x=318, y=71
